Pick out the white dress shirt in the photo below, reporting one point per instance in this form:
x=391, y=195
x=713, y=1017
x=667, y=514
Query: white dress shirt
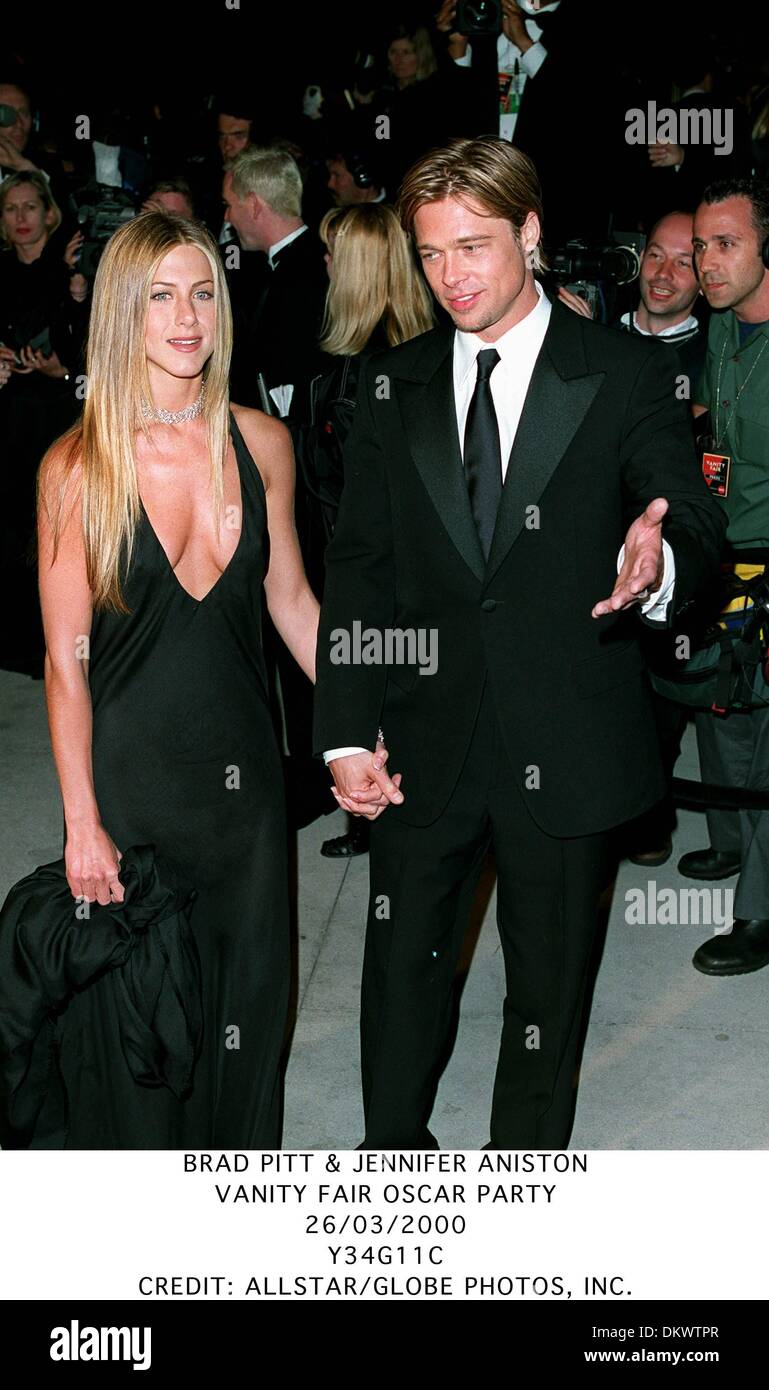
x=518, y=350
x=285, y=241
x=516, y=65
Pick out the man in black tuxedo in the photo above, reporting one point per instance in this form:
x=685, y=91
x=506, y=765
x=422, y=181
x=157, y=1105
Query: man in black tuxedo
x=276, y=321
x=492, y=475
x=544, y=83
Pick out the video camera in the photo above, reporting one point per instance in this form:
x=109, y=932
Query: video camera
x=475, y=17
x=580, y=267
x=101, y=210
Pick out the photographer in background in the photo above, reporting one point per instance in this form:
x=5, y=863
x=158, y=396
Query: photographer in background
x=19, y=150
x=668, y=294
x=540, y=80
x=43, y=328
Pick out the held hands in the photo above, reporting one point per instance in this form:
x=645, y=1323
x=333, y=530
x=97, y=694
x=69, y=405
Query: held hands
x=643, y=565
x=92, y=863
x=362, y=784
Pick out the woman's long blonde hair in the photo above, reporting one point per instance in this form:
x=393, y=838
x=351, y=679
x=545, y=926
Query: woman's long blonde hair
x=117, y=381
x=374, y=279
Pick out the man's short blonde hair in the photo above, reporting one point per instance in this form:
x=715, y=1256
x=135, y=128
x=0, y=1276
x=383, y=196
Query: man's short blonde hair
x=487, y=172
x=270, y=173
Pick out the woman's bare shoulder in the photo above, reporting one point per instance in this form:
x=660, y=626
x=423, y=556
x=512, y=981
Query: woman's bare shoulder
x=268, y=440
x=60, y=470
x=262, y=431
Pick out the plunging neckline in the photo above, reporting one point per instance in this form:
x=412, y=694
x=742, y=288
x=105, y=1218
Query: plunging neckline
x=164, y=552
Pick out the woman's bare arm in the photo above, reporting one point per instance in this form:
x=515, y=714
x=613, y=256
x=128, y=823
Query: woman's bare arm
x=91, y=858
x=293, y=606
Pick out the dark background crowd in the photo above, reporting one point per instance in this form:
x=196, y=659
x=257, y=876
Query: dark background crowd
x=107, y=111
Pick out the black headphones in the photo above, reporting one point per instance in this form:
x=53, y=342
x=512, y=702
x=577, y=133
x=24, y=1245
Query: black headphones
x=363, y=174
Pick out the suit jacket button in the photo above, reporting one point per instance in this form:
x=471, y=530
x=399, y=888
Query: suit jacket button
x=488, y=605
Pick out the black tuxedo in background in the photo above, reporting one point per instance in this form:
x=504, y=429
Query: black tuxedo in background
x=571, y=118
x=277, y=316
x=276, y=320
x=536, y=731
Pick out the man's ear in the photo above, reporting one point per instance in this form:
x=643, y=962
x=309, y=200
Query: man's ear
x=529, y=235
x=255, y=205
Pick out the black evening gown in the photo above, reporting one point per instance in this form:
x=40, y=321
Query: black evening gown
x=185, y=758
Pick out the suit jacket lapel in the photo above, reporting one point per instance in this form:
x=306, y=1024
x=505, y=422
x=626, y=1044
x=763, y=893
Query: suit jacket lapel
x=430, y=419
x=559, y=396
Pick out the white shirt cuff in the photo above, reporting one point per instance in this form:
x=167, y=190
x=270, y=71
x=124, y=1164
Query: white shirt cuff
x=342, y=753
x=655, y=606
x=467, y=58
x=531, y=61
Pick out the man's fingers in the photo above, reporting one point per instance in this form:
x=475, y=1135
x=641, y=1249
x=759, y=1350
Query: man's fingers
x=621, y=598
x=655, y=511
x=386, y=785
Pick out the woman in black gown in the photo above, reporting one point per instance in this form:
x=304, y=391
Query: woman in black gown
x=155, y=678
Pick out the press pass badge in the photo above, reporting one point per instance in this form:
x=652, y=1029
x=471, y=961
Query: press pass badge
x=715, y=470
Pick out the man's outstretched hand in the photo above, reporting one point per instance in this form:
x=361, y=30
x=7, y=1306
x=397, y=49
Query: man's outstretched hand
x=362, y=784
x=643, y=564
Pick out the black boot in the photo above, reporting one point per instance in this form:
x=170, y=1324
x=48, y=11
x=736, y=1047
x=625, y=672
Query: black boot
x=347, y=846
x=709, y=864
x=744, y=948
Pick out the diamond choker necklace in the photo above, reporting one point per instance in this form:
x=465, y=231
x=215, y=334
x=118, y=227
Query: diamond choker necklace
x=175, y=417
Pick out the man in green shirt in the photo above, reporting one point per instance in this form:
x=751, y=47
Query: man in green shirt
x=731, y=255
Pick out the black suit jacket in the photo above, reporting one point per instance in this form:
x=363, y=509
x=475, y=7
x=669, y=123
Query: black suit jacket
x=601, y=434
x=277, y=323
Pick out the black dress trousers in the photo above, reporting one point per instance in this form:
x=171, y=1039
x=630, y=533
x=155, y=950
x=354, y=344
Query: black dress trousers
x=422, y=884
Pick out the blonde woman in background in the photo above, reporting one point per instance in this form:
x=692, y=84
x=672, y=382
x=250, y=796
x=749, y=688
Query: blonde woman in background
x=163, y=514
x=376, y=299
x=43, y=325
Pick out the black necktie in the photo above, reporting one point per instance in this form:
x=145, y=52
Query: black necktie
x=483, y=461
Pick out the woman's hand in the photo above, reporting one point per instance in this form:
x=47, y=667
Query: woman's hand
x=8, y=355
x=72, y=249
x=49, y=366
x=6, y=363
x=92, y=863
